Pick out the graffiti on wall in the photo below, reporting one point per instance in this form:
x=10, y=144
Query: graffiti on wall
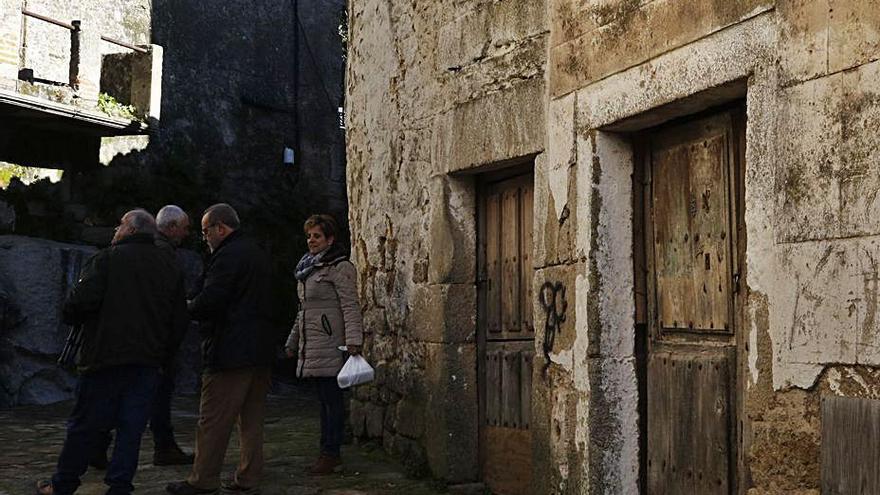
x=553, y=302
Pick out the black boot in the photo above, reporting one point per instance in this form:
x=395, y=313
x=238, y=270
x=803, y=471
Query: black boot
x=171, y=455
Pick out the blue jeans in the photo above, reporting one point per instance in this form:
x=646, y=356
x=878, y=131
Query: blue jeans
x=117, y=398
x=332, y=415
x=160, y=420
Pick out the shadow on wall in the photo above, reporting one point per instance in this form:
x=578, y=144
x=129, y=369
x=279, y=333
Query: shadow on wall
x=228, y=111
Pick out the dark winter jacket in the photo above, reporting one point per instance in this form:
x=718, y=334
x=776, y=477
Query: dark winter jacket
x=234, y=308
x=329, y=317
x=130, y=301
x=189, y=262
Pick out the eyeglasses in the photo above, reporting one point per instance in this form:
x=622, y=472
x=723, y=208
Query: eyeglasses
x=206, y=229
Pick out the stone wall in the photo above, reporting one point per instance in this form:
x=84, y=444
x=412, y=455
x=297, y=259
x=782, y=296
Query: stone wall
x=57, y=57
x=808, y=209
x=35, y=277
x=464, y=85
x=433, y=88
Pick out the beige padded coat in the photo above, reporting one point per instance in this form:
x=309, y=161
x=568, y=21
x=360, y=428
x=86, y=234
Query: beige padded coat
x=329, y=317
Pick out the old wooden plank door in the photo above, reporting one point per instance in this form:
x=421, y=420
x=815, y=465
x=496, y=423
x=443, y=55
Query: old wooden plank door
x=506, y=333
x=691, y=207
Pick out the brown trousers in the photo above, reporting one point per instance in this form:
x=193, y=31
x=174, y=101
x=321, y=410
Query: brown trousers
x=230, y=397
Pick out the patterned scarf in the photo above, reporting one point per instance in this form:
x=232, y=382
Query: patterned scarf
x=307, y=264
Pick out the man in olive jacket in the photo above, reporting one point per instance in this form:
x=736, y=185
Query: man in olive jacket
x=130, y=301
x=235, y=316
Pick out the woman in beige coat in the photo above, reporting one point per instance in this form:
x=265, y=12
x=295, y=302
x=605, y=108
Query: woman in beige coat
x=329, y=320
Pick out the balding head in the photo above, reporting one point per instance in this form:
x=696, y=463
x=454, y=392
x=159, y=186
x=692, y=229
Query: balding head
x=218, y=222
x=173, y=223
x=223, y=213
x=138, y=221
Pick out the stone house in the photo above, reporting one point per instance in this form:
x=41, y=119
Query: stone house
x=68, y=73
x=620, y=246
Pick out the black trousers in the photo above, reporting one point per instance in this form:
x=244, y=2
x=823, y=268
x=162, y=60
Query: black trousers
x=332, y=415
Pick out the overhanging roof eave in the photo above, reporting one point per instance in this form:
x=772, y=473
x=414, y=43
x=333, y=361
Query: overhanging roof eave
x=69, y=116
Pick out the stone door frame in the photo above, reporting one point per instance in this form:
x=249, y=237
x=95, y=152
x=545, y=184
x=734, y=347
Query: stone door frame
x=734, y=64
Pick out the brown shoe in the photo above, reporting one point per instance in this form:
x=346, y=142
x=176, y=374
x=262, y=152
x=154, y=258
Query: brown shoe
x=326, y=465
x=44, y=487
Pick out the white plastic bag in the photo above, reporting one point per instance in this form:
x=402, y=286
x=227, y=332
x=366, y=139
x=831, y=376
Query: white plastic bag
x=354, y=372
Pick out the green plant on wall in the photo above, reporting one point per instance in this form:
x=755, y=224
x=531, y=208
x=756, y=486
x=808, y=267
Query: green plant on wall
x=26, y=174
x=112, y=107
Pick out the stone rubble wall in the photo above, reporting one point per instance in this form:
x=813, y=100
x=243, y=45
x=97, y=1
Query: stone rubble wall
x=441, y=88
x=432, y=88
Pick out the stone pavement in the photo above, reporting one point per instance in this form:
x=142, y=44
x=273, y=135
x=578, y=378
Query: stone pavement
x=31, y=438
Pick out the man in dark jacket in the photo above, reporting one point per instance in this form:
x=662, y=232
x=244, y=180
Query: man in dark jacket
x=173, y=225
x=234, y=311
x=130, y=301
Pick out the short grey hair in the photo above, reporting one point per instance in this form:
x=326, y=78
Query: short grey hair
x=169, y=216
x=223, y=213
x=141, y=221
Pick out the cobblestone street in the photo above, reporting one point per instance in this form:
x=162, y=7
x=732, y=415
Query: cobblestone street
x=31, y=438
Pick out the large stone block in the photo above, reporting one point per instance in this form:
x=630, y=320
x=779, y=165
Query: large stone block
x=825, y=180
x=702, y=74
x=604, y=205
x=491, y=129
x=443, y=313
x=613, y=424
x=451, y=409
x=803, y=39
x=521, y=61
x=858, y=145
x=374, y=420
x=854, y=34
x=556, y=220
x=10, y=39
x=489, y=28
x=357, y=417
x=451, y=240
x=621, y=44
x=410, y=418
x=413, y=456
x=36, y=276
x=822, y=308
x=558, y=284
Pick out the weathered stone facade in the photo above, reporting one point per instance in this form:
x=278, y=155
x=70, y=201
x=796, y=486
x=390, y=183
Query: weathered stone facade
x=434, y=88
x=437, y=90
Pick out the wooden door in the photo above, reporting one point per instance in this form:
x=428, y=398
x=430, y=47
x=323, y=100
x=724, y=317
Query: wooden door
x=692, y=264
x=506, y=333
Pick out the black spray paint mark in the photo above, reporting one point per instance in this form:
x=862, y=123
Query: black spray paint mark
x=552, y=299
